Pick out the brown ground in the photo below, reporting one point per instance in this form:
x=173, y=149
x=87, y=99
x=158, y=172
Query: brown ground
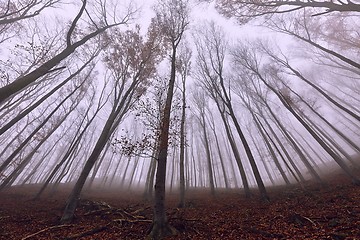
x=332, y=212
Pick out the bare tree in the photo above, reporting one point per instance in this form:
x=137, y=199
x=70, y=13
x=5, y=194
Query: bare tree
x=201, y=107
x=17, y=118
x=183, y=66
x=132, y=62
x=245, y=10
x=250, y=60
x=211, y=60
x=72, y=43
x=302, y=27
x=14, y=11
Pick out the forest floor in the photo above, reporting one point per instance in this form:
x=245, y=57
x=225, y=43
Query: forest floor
x=331, y=212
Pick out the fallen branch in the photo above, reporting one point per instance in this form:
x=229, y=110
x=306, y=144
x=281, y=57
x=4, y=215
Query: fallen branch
x=184, y=219
x=104, y=227
x=102, y=211
x=266, y=234
x=297, y=218
x=139, y=210
x=90, y=232
x=44, y=230
x=131, y=221
x=4, y=217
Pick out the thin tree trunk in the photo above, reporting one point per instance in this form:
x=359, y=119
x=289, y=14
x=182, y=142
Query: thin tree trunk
x=208, y=155
x=22, y=145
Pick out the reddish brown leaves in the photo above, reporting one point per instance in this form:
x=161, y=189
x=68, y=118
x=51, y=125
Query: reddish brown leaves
x=330, y=213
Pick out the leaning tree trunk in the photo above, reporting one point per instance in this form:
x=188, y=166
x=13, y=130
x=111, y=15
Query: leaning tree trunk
x=27, y=140
x=22, y=82
x=221, y=158
x=336, y=157
x=284, y=150
x=310, y=168
x=17, y=171
x=266, y=139
x=13, y=121
x=235, y=152
x=100, y=144
x=250, y=156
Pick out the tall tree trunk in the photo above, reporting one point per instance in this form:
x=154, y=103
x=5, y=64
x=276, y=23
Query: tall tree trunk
x=338, y=160
x=220, y=154
x=161, y=227
x=235, y=152
x=182, y=146
x=262, y=158
x=208, y=154
x=310, y=168
x=284, y=150
x=12, y=177
x=269, y=147
x=100, y=144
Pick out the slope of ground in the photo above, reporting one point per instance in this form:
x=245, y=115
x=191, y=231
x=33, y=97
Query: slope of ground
x=331, y=212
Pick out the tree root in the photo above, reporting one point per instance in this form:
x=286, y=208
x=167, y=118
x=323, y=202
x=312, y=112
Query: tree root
x=160, y=231
x=45, y=229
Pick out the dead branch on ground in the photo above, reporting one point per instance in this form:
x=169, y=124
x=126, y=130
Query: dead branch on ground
x=45, y=229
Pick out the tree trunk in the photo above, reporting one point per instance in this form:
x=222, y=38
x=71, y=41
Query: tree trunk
x=100, y=144
x=208, y=155
x=182, y=147
x=160, y=227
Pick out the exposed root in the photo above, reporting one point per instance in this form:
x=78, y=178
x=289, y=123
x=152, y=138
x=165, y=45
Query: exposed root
x=160, y=231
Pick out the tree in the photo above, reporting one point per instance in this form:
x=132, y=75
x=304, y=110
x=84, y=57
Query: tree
x=250, y=60
x=17, y=118
x=172, y=17
x=301, y=27
x=14, y=11
x=71, y=45
x=212, y=52
x=200, y=106
x=132, y=61
x=10, y=158
x=74, y=142
x=246, y=10
x=183, y=67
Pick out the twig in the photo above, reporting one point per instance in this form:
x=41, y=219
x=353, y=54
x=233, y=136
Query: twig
x=309, y=220
x=46, y=229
